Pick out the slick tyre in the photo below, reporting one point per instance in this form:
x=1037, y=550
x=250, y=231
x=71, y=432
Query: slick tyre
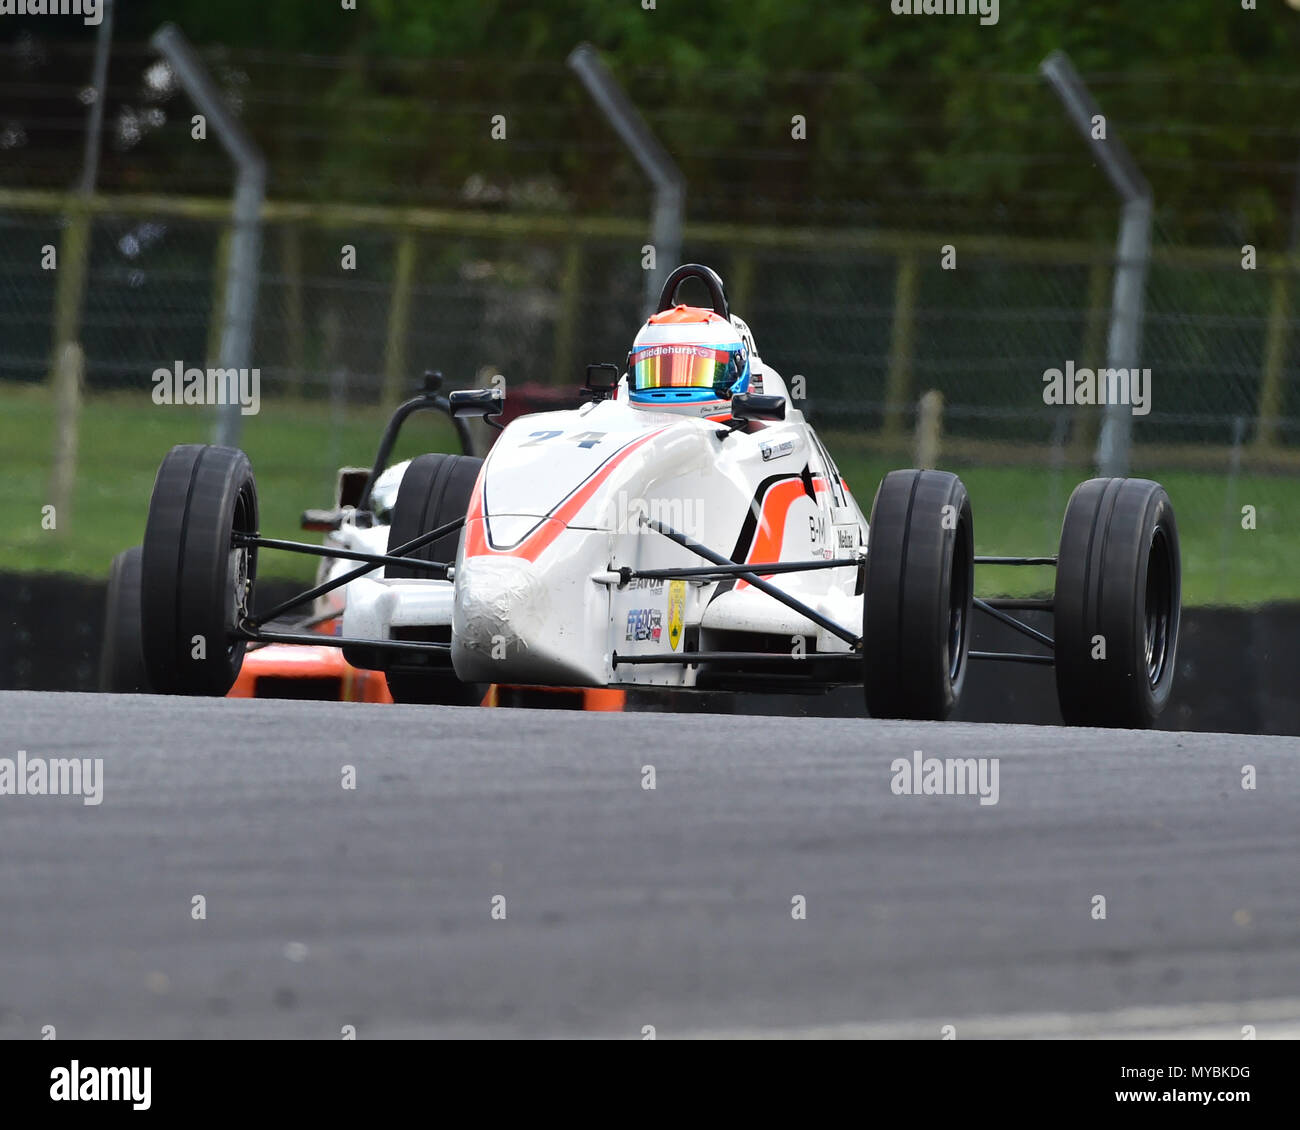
x=197, y=585
x=1118, y=603
x=435, y=490
x=919, y=585
x=121, y=658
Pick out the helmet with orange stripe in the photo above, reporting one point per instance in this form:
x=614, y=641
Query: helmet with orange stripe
x=687, y=360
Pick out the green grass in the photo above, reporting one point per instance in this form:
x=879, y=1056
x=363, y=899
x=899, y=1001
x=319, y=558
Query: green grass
x=296, y=449
x=1018, y=511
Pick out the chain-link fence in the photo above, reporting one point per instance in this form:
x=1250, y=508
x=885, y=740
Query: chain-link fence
x=870, y=320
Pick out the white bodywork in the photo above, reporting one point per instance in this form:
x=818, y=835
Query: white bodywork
x=363, y=539
x=558, y=509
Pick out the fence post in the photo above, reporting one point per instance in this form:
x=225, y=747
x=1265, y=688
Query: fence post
x=566, y=325
x=1093, y=349
x=74, y=259
x=69, y=372
x=220, y=263
x=1270, y=389
x=1132, y=253
x=929, y=429
x=295, y=337
x=399, y=315
x=899, y=381
x=68, y=363
x=240, y=305
x=741, y=283
x=669, y=184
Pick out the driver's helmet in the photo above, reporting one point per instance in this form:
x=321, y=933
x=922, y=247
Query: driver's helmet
x=688, y=360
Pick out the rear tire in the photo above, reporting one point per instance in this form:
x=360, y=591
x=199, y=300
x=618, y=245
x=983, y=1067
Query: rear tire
x=200, y=587
x=121, y=658
x=916, y=605
x=1118, y=603
x=435, y=490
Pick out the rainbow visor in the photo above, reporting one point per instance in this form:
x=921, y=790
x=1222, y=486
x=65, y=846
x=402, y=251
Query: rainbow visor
x=686, y=366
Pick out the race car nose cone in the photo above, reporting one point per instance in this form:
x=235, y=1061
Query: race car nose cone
x=539, y=621
x=500, y=611
x=499, y=602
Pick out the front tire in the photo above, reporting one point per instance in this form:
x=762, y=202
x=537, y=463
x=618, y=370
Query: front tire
x=916, y=605
x=199, y=585
x=1118, y=603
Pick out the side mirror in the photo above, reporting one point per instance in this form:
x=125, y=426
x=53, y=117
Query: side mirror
x=602, y=380
x=469, y=402
x=322, y=520
x=750, y=406
x=351, y=485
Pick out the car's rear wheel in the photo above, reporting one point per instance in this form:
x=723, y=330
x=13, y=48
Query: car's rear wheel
x=436, y=489
x=1118, y=603
x=121, y=658
x=917, y=595
x=199, y=585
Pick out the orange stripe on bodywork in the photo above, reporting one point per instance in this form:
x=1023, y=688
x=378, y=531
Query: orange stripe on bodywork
x=529, y=549
x=532, y=547
x=770, y=535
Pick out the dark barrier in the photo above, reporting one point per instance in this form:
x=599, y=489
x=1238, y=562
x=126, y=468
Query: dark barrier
x=51, y=626
x=1238, y=670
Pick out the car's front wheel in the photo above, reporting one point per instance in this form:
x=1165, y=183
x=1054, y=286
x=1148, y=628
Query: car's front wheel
x=197, y=584
x=918, y=592
x=1118, y=603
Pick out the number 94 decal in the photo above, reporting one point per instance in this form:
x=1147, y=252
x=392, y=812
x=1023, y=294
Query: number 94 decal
x=582, y=439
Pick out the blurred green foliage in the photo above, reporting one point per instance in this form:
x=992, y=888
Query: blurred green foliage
x=902, y=111
x=755, y=36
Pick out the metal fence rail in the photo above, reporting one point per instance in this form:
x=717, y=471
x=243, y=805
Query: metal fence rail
x=870, y=319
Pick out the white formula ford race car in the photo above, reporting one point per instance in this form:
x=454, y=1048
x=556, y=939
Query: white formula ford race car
x=684, y=528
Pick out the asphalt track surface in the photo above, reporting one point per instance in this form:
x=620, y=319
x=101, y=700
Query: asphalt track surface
x=627, y=907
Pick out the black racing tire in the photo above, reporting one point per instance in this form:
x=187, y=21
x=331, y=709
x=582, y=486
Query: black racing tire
x=436, y=489
x=198, y=586
x=1118, y=604
x=917, y=594
x=121, y=659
